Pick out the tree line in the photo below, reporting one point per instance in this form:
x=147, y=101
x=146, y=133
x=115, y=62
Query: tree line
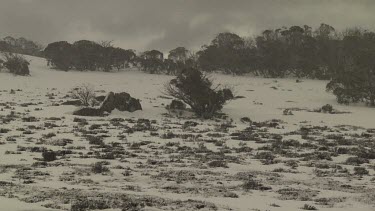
x=87, y=55
x=347, y=57
x=294, y=51
x=20, y=45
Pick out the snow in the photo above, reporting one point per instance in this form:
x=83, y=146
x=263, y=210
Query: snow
x=264, y=99
x=309, y=94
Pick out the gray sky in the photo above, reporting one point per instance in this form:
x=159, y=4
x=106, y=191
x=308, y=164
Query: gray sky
x=165, y=24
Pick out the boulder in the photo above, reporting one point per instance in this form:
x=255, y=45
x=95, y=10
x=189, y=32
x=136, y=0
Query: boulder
x=88, y=112
x=108, y=103
x=177, y=105
x=134, y=105
x=100, y=98
x=121, y=101
x=72, y=102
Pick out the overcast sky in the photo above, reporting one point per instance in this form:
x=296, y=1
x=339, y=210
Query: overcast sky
x=165, y=24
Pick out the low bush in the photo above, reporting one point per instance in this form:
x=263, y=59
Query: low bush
x=16, y=64
x=360, y=171
x=49, y=156
x=308, y=207
x=195, y=89
x=99, y=168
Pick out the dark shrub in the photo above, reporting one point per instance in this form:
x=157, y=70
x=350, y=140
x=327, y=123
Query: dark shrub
x=327, y=108
x=132, y=205
x=16, y=64
x=308, y=207
x=251, y=184
x=360, y=171
x=89, y=204
x=49, y=156
x=356, y=161
x=218, y=163
x=99, y=168
x=95, y=140
x=177, y=104
x=245, y=120
x=195, y=89
x=264, y=155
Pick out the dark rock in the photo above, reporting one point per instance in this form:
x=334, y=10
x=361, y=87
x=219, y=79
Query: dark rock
x=100, y=98
x=72, y=102
x=88, y=112
x=121, y=101
x=176, y=104
x=109, y=103
x=134, y=105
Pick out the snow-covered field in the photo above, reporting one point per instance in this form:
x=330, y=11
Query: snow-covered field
x=157, y=160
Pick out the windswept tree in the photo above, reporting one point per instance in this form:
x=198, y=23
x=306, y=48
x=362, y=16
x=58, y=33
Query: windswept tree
x=327, y=44
x=105, y=55
x=16, y=64
x=325, y=32
x=354, y=76
x=151, y=61
x=59, y=55
x=178, y=59
x=88, y=55
x=195, y=89
x=179, y=54
x=122, y=58
x=171, y=67
x=228, y=40
x=227, y=53
x=272, y=54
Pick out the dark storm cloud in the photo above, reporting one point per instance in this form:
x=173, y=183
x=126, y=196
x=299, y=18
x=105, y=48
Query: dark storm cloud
x=164, y=24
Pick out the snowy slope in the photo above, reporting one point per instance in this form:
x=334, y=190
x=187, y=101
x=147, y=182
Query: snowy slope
x=309, y=94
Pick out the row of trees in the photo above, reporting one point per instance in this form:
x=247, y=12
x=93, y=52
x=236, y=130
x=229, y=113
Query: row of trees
x=347, y=58
x=87, y=55
x=103, y=56
x=21, y=46
x=297, y=51
x=154, y=62
x=353, y=78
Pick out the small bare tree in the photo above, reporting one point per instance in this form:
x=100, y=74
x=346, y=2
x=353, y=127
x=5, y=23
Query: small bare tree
x=84, y=93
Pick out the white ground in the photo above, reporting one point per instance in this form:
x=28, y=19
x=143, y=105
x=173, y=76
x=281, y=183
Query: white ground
x=261, y=103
